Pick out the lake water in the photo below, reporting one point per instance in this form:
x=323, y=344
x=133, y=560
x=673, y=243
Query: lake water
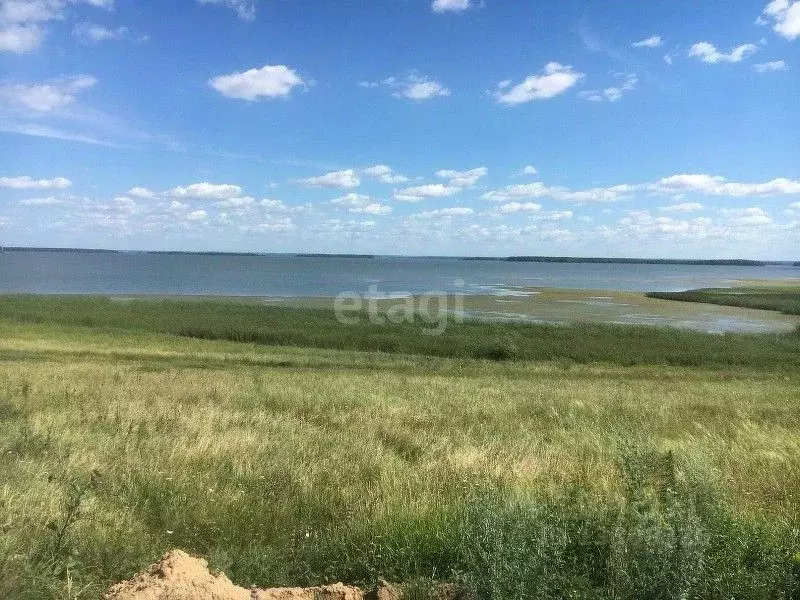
x=292, y=276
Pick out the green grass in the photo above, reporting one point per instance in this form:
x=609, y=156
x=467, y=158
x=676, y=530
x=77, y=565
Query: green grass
x=595, y=464
x=782, y=299
x=318, y=328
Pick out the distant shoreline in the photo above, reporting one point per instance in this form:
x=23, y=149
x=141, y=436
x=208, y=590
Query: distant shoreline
x=533, y=259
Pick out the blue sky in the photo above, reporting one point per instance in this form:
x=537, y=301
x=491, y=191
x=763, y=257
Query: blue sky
x=456, y=127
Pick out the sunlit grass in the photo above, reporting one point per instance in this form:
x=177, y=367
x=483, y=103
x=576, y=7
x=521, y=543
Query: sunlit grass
x=613, y=478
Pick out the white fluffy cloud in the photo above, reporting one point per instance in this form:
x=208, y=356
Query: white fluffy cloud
x=270, y=81
x=245, y=9
x=715, y=185
x=540, y=190
x=784, y=15
x=708, y=53
x=46, y=97
x=334, y=179
x=444, y=213
x=627, y=83
x=423, y=192
x=384, y=174
x=462, y=178
x=529, y=170
x=516, y=207
x=651, y=42
x=555, y=79
x=26, y=182
x=352, y=200
x=374, y=208
x=141, y=192
x=771, y=67
x=747, y=217
x=708, y=185
x=414, y=87
x=20, y=38
x=683, y=207
x=361, y=204
x=22, y=21
x=206, y=191
x=197, y=215
x=443, y=6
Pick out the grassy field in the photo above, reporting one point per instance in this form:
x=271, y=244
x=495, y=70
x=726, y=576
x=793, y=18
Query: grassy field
x=784, y=299
x=532, y=461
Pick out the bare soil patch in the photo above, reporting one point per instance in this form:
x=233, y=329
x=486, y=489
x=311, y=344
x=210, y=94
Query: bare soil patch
x=179, y=576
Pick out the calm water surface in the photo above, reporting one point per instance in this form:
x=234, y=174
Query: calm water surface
x=291, y=276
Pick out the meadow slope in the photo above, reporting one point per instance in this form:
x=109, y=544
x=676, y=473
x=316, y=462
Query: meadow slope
x=584, y=462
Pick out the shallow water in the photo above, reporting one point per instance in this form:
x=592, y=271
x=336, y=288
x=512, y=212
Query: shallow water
x=505, y=287
x=293, y=276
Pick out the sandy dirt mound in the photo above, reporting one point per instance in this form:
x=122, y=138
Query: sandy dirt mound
x=178, y=576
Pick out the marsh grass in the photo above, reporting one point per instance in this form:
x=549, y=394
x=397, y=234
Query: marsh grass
x=249, y=322
x=591, y=473
x=784, y=299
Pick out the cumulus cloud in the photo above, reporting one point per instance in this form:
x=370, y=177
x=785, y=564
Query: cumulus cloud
x=268, y=82
x=675, y=185
x=555, y=79
x=423, y=192
x=683, y=207
x=747, y=217
x=361, y=204
x=352, y=200
x=373, y=208
x=715, y=185
x=384, y=174
x=245, y=9
x=771, y=67
x=46, y=97
x=641, y=224
x=651, y=42
x=444, y=213
x=708, y=53
x=444, y=6
x=206, y=191
x=22, y=22
x=197, y=215
x=540, y=190
x=462, y=178
x=20, y=38
x=784, y=15
x=516, y=207
x=627, y=83
x=529, y=170
x=271, y=225
x=26, y=182
x=334, y=179
x=414, y=87
x=141, y=192
x=270, y=204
